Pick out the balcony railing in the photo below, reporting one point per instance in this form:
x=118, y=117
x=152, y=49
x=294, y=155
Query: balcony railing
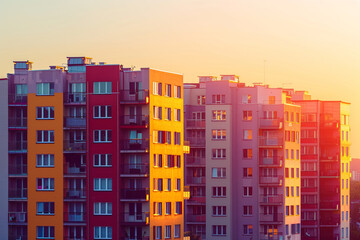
x=329, y=205
x=271, y=180
x=275, y=217
x=75, y=122
x=272, y=199
x=330, y=173
x=135, y=169
x=134, y=121
x=18, y=193
x=191, y=160
x=186, y=192
x=271, y=161
x=127, y=96
x=196, y=218
x=75, y=238
x=75, y=97
x=17, y=169
x=134, y=144
x=74, y=193
x=271, y=141
x=18, y=146
x=74, y=216
x=74, y=146
x=18, y=122
x=74, y=170
x=18, y=99
x=195, y=123
x=18, y=236
x=266, y=123
x=271, y=236
x=197, y=141
x=134, y=194
x=195, y=180
x=17, y=217
x=141, y=217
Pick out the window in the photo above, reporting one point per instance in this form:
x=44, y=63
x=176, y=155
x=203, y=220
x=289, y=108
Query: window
x=248, y=210
x=157, y=112
x=168, y=208
x=201, y=100
x=168, y=184
x=247, y=134
x=44, y=136
x=178, y=208
x=248, y=229
x=102, y=160
x=218, y=172
x=178, y=184
x=247, y=153
x=102, y=208
x=247, y=172
x=102, y=111
x=102, y=184
x=102, y=87
x=178, y=161
x=168, y=90
x=45, y=160
x=177, y=231
x=247, y=115
x=177, y=91
x=167, y=231
x=44, y=89
x=158, y=160
x=45, y=112
x=248, y=191
x=158, y=231
x=219, y=191
x=45, y=232
x=246, y=99
x=218, y=134
x=45, y=184
x=157, y=88
x=218, y=230
x=287, y=191
x=168, y=113
x=219, y=211
x=158, y=184
x=102, y=136
x=168, y=137
x=101, y=232
x=177, y=115
x=45, y=208
x=218, y=115
x=218, y=98
x=177, y=138
x=219, y=153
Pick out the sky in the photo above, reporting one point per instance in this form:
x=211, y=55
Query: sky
x=309, y=45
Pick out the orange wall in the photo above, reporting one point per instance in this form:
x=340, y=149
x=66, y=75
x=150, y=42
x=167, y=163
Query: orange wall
x=56, y=172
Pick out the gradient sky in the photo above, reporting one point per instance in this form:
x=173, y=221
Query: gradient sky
x=309, y=45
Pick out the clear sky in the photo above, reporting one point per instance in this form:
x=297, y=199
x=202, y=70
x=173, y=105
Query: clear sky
x=309, y=45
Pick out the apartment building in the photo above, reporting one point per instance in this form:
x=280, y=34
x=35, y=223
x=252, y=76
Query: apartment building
x=325, y=168
x=244, y=164
x=95, y=152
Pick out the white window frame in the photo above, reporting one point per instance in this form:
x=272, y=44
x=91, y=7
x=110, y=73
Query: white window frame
x=218, y=134
x=168, y=208
x=98, y=184
x=167, y=231
x=41, y=110
x=98, y=230
x=42, y=159
x=177, y=115
x=168, y=90
x=177, y=91
x=107, y=136
x=102, y=208
x=158, y=232
x=42, y=205
x=220, y=153
x=177, y=229
x=49, y=134
x=41, y=232
x=105, y=85
x=102, y=158
x=102, y=111
x=45, y=89
x=218, y=115
x=220, y=230
x=219, y=211
x=50, y=184
x=178, y=208
x=218, y=173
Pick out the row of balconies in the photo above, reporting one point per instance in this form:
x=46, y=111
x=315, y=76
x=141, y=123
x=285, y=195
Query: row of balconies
x=140, y=121
x=265, y=123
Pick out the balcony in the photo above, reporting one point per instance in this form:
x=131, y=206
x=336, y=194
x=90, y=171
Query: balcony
x=186, y=147
x=330, y=173
x=272, y=199
x=195, y=218
x=74, y=194
x=18, y=123
x=271, y=161
x=192, y=161
x=74, y=217
x=74, y=98
x=17, y=170
x=195, y=124
x=329, y=205
x=134, y=145
x=131, y=97
x=197, y=142
x=196, y=200
x=18, y=147
x=195, y=180
x=17, y=236
x=134, y=170
x=140, y=121
x=75, y=238
x=273, y=218
x=141, y=218
x=134, y=194
x=74, y=147
x=274, y=181
x=271, y=236
x=271, y=142
x=17, y=217
x=18, y=99
x=266, y=123
x=18, y=194
x=75, y=122
x=74, y=171
x=186, y=192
